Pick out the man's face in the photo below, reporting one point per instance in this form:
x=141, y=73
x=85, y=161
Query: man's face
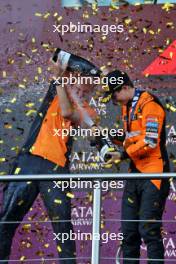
x=122, y=96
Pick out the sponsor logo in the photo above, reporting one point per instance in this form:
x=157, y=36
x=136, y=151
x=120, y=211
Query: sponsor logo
x=82, y=216
x=171, y=136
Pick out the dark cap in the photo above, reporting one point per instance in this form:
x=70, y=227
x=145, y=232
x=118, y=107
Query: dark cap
x=115, y=81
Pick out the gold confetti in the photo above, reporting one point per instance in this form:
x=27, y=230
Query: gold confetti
x=8, y=126
x=128, y=21
x=26, y=226
x=167, y=6
x=11, y=61
x=130, y=200
x=70, y=195
x=21, y=86
x=171, y=54
x=151, y=32
x=169, y=24
x=20, y=202
x=34, y=50
x=4, y=74
x=38, y=14
x=59, y=18
x=7, y=110
x=36, y=78
x=22, y=258
x=102, y=225
x=107, y=166
x=3, y=173
x=17, y=170
x=46, y=245
x=30, y=112
x=39, y=70
x=2, y=159
x=29, y=104
x=59, y=249
x=57, y=201
x=28, y=61
x=46, y=15
x=31, y=149
x=45, y=45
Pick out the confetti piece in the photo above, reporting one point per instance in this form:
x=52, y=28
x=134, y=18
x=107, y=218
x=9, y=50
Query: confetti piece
x=20, y=202
x=30, y=112
x=130, y=200
x=31, y=149
x=107, y=166
x=8, y=126
x=36, y=78
x=70, y=195
x=34, y=50
x=11, y=61
x=3, y=173
x=2, y=159
x=128, y=21
x=59, y=249
x=28, y=61
x=46, y=15
x=4, y=74
x=38, y=14
x=57, y=201
x=39, y=70
x=29, y=104
x=171, y=54
x=22, y=258
x=46, y=245
x=27, y=226
x=151, y=32
x=45, y=45
x=59, y=18
x=17, y=170
x=21, y=86
x=7, y=110
x=167, y=6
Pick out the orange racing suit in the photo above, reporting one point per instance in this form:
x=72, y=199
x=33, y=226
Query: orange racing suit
x=144, y=125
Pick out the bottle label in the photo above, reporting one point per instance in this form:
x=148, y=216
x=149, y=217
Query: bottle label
x=63, y=58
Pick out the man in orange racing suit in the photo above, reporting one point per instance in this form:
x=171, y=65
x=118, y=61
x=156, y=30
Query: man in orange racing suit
x=144, y=144
x=45, y=152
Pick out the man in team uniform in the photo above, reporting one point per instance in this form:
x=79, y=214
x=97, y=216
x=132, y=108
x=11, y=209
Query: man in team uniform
x=43, y=153
x=145, y=145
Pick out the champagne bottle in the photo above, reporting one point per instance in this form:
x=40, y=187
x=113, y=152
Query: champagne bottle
x=105, y=145
x=74, y=63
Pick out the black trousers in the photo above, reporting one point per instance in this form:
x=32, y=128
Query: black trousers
x=143, y=201
x=18, y=197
